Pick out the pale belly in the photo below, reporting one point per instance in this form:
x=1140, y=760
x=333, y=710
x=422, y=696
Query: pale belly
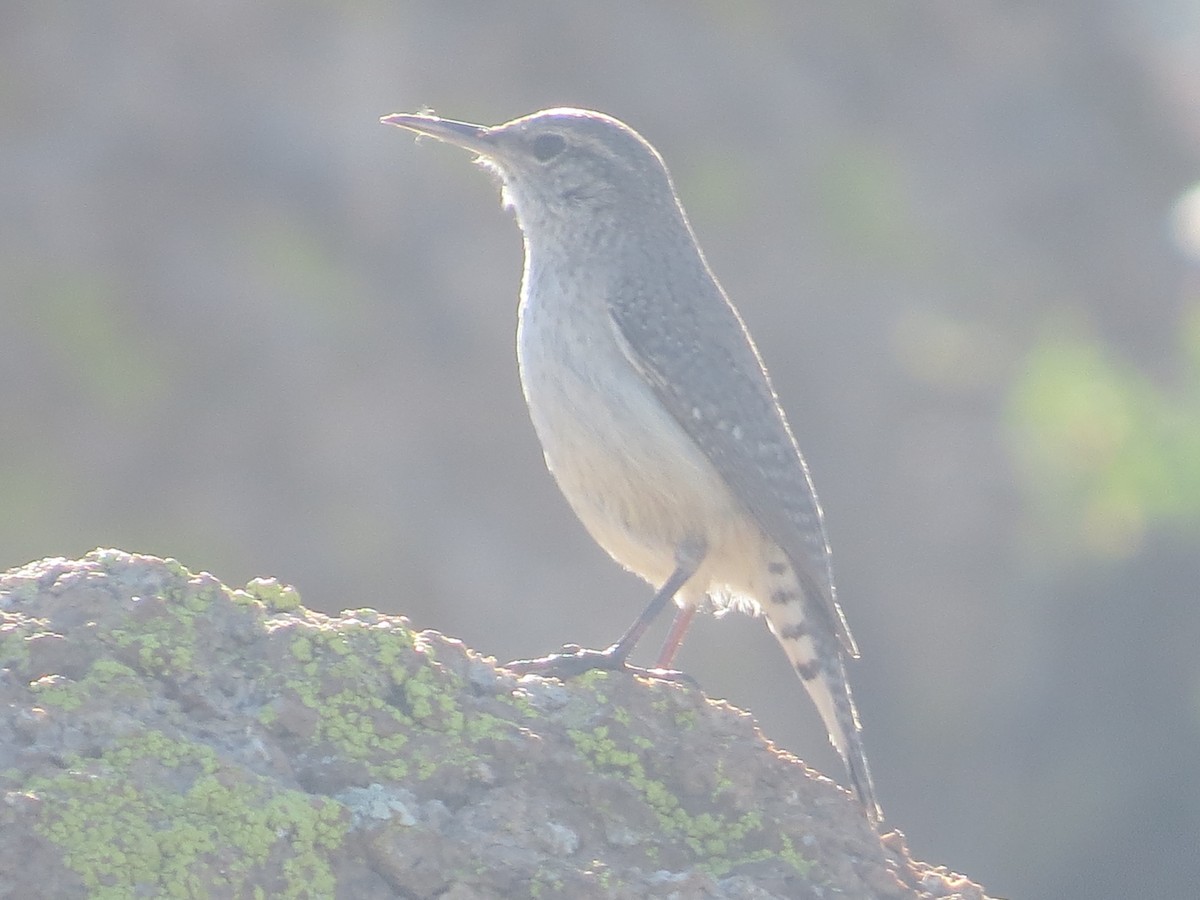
x=627, y=468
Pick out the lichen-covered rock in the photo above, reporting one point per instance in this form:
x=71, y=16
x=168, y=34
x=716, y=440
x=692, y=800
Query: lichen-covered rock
x=163, y=735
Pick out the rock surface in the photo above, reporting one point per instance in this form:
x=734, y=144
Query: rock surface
x=164, y=735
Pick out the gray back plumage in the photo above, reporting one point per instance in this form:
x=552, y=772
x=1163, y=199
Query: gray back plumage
x=691, y=347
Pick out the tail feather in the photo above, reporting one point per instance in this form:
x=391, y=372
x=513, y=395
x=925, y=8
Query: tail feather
x=853, y=754
x=817, y=659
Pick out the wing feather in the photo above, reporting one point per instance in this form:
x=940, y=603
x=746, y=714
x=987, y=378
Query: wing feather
x=697, y=356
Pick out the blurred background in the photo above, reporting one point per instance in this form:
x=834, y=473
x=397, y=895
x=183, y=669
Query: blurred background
x=244, y=325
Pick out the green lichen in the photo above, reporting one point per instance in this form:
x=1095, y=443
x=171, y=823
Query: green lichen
x=56, y=692
x=521, y=704
x=593, y=679
x=374, y=696
x=272, y=594
x=686, y=719
x=546, y=883
x=641, y=742
x=15, y=632
x=718, y=843
x=107, y=679
x=301, y=648
x=724, y=782
x=790, y=855
x=185, y=825
x=601, y=874
x=161, y=638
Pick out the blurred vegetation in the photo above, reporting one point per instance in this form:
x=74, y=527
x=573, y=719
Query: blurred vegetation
x=1106, y=452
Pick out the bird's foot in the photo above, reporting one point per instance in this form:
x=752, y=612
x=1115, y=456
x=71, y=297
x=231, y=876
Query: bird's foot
x=574, y=661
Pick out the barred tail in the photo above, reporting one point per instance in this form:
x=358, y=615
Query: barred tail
x=817, y=659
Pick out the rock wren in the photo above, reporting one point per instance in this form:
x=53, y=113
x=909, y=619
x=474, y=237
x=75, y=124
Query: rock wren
x=656, y=415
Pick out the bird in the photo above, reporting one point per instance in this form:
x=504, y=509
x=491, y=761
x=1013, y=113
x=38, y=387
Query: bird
x=656, y=415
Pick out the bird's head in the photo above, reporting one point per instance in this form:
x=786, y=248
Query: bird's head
x=561, y=165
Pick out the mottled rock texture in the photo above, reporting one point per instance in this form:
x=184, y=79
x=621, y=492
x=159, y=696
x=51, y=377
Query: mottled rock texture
x=164, y=735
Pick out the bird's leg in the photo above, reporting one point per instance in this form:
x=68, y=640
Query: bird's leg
x=674, y=639
x=575, y=660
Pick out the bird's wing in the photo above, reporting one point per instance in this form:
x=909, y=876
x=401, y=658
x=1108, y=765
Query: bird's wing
x=695, y=353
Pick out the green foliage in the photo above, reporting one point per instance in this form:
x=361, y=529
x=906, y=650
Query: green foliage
x=1106, y=452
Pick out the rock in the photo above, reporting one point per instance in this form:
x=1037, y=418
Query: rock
x=163, y=735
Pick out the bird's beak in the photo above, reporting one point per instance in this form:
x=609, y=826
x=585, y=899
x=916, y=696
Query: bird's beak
x=462, y=134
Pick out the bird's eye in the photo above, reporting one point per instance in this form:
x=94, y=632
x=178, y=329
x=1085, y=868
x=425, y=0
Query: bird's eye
x=547, y=146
